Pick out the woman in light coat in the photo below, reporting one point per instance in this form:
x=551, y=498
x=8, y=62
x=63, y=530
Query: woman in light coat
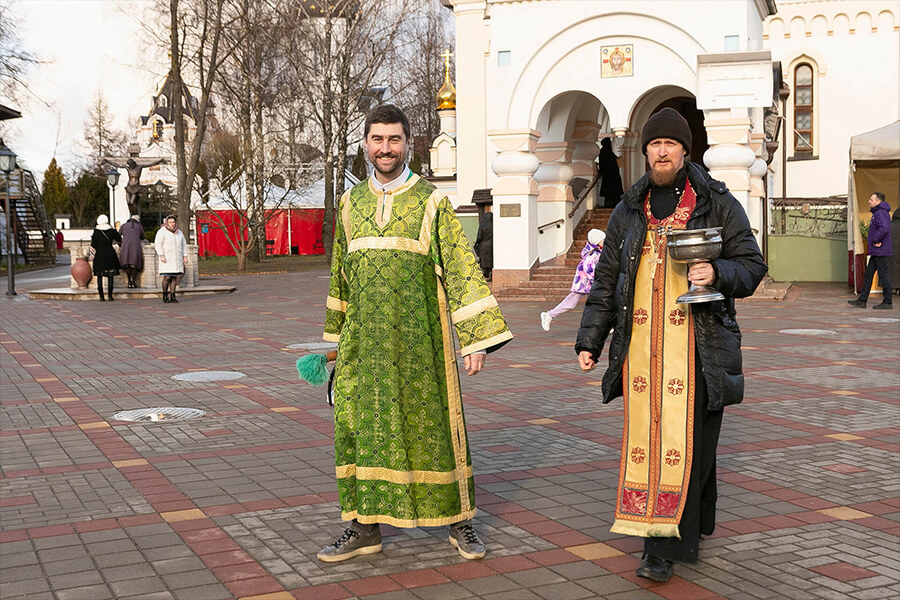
x=171, y=249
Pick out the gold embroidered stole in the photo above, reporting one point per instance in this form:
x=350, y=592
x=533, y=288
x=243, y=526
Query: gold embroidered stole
x=658, y=386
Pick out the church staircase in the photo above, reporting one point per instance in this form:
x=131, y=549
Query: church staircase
x=552, y=282
x=32, y=231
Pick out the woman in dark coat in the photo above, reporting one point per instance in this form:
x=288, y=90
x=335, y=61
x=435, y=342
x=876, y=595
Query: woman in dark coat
x=106, y=262
x=132, y=254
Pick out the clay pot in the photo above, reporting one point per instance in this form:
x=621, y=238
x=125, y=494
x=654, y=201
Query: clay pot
x=82, y=272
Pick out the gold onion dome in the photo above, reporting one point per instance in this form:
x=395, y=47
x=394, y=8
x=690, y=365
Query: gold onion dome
x=446, y=97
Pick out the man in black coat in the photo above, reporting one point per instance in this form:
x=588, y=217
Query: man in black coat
x=484, y=243
x=677, y=365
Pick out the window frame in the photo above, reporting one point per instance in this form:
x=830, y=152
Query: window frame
x=803, y=109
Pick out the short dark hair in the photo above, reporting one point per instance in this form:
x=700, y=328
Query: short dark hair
x=881, y=197
x=387, y=114
x=172, y=217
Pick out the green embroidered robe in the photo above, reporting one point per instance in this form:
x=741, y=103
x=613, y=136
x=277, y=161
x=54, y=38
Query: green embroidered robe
x=401, y=273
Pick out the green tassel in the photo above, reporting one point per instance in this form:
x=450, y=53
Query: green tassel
x=311, y=369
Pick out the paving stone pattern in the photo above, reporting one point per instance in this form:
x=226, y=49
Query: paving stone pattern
x=236, y=504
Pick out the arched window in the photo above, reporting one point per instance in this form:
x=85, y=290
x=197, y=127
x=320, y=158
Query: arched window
x=163, y=101
x=804, y=103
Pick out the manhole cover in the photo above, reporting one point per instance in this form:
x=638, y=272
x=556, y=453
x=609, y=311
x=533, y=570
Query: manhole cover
x=159, y=414
x=313, y=346
x=808, y=331
x=208, y=376
x=880, y=320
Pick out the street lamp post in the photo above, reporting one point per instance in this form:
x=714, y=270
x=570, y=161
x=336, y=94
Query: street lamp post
x=112, y=179
x=7, y=164
x=161, y=190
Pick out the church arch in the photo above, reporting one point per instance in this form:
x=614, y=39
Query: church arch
x=885, y=21
x=775, y=28
x=548, y=72
x=798, y=28
x=819, y=26
x=863, y=23
x=841, y=24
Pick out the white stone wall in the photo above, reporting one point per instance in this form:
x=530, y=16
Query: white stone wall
x=854, y=47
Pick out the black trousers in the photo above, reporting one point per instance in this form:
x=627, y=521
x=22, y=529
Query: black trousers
x=699, y=516
x=879, y=263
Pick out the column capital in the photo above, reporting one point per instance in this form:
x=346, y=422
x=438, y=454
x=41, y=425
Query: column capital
x=523, y=140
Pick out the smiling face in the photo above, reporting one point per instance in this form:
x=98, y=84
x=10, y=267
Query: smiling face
x=387, y=147
x=666, y=157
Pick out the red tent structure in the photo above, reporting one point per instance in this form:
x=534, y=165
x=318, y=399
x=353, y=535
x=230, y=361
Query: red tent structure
x=293, y=220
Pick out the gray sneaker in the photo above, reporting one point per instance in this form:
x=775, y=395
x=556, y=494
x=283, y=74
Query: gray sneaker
x=357, y=539
x=464, y=539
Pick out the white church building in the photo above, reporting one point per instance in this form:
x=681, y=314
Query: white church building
x=540, y=82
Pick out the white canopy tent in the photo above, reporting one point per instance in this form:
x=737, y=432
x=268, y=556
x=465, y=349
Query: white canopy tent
x=874, y=167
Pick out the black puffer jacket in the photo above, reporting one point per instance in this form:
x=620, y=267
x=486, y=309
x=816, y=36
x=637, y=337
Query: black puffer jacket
x=739, y=269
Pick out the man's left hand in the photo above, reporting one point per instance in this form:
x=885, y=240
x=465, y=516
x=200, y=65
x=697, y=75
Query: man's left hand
x=474, y=363
x=702, y=273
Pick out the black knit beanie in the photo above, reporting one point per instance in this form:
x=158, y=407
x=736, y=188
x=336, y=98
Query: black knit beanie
x=667, y=123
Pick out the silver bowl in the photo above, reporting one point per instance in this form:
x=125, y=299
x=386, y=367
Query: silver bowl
x=693, y=246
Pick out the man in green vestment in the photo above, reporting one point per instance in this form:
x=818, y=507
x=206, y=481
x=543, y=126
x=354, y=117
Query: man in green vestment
x=403, y=277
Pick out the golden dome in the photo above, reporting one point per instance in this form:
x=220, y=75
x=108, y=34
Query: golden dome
x=446, y=97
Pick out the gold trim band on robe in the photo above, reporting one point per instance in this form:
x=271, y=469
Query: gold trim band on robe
x=470, y=310
x=331, y=337
x=409, y=523
x=335, y=304
x=488, y=343
x=400, y=477
x=454, y=402
x=387, y=243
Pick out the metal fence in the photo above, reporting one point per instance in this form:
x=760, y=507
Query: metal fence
x=824, y=218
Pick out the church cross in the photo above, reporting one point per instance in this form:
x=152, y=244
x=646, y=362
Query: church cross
x=447, y=55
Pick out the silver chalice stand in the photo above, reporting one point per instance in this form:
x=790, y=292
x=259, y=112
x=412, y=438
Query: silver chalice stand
x=692, y=246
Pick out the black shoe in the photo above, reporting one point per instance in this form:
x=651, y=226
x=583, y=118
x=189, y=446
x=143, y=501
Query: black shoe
x=111, y=299
x=883, y=306
x=102, y=299
x=656, y=569
x=172, y=298
x=166, y=297
x=856, y=303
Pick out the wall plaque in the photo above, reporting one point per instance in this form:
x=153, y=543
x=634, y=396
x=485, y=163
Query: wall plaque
x=510, y=210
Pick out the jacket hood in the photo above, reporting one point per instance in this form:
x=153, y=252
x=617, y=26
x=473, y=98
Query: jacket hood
x=883, y=205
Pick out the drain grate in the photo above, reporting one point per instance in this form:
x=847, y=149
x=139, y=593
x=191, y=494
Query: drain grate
x=808, y=331
x=208, y=376
x=159, y=414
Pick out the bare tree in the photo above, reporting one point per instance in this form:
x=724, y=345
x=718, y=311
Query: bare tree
x=341, y=50
x=416, y=85
x=197, y=48
x=101, y=138
x=15, y=61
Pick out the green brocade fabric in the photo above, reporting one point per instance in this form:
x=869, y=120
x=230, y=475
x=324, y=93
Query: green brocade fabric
x=402, y=275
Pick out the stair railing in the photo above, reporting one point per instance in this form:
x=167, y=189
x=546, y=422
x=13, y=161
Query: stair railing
x=557, y=222
x=583, y=195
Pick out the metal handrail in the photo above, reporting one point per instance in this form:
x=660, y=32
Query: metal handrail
x=557, y=222
x=583, y=195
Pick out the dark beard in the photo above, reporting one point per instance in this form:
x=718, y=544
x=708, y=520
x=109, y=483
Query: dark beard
x=663, y=179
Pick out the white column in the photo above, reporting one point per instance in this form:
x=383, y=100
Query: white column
x=757, y=205
x=554, y=198
x=515, y=206
x=471, y=91
x=586, y=151
x=729, y=157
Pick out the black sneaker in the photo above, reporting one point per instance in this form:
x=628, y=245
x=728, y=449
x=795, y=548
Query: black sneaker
x=352, y=543
x=655, y=568
x=856, y=303
x=883, y=306
x=464, y=539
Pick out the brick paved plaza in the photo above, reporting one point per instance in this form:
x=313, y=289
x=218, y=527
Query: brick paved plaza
x=235, y=504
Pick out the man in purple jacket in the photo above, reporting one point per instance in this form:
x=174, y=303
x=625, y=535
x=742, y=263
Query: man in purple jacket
x=879, y=249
